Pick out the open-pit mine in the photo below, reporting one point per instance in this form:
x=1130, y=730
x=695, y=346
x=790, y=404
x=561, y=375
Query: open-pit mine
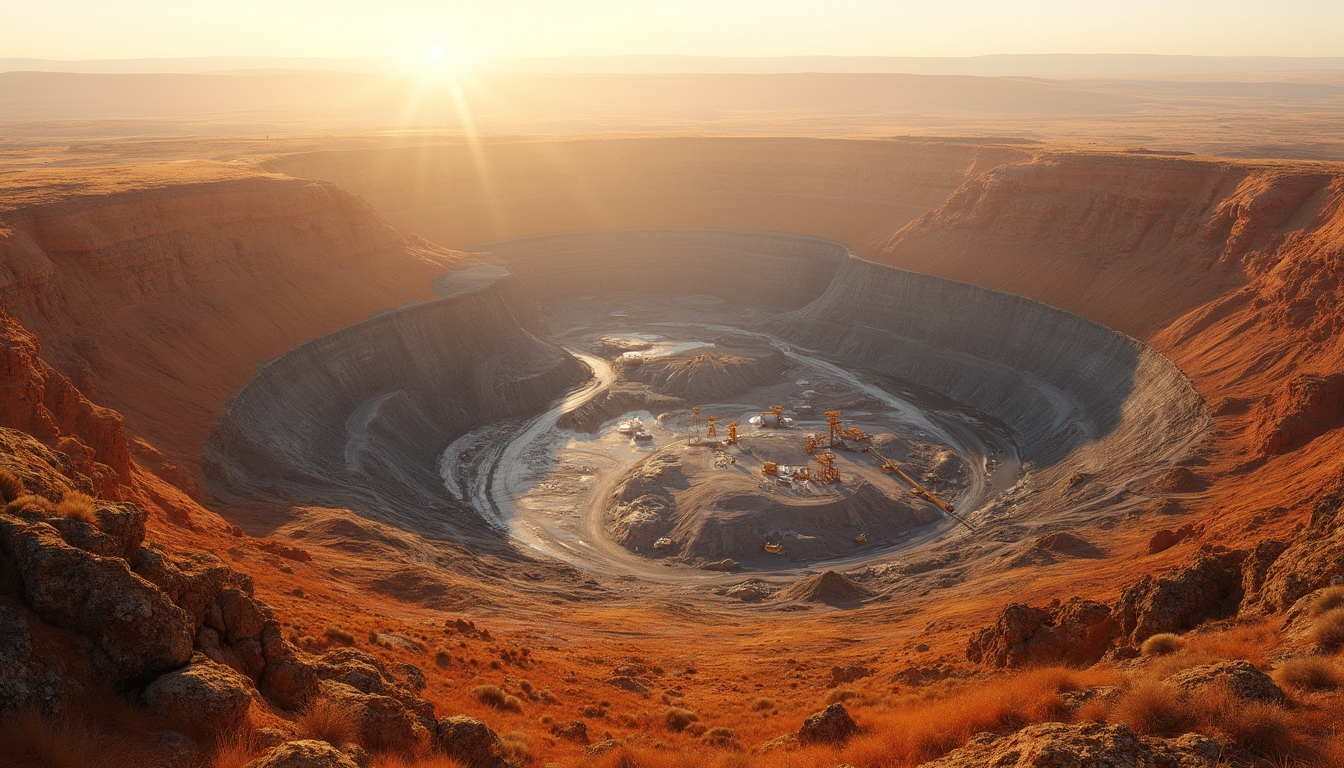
x=657, y=449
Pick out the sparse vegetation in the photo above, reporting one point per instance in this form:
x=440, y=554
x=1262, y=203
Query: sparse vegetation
x=494, y=696
x=1328, y=600
x=679, y=718
x=1328, y=628
x=763, y=704
x=1152, y=708
x=1311, y=673
x=1162, y=644
x=335, y=634
x=328, y=721
x=30, y=502
x=77, y=505
x=11, y=487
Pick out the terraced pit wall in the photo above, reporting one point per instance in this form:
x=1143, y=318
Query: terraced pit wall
x=360, y=415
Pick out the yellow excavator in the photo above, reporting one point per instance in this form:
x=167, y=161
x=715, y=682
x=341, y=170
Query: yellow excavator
x=890, y=467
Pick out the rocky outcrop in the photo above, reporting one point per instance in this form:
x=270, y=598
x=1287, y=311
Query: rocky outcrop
x=36, y=399
x=832, y=725
x=1077, y=632
x=138, y=631
x=1305, y=408
x=1056, y=745
x=1207, y=588
x=1313, y=560
x=1239, y=677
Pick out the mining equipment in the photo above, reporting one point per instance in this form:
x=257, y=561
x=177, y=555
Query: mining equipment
x=695, y=414
x=802, y=473
x=774, y=549
x=770, y=468
x=662, y=543
x=890, y=467
x=833, y=422
x=710, y=431
x=862, y=538
x=856, y=434
x=776, y=413
x=732, y=432
x=828, y=473
x=811, y=444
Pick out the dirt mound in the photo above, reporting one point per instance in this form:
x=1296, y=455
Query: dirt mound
x=1305, y=408
x=701, y=375
x=828, y=587
x=1178, y=480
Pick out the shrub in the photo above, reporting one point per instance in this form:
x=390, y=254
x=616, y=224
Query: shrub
x=679, y=718
x=1262, y=729
x=1162, y=644
x=29, y=502
x=76, y=505
x=1152, y=708
x=494, y=696
x=335, y=634
x=1309, y=674
x=1329, y=599
x=517, y=748
x=1328, y=629
x=721, y=737
x=842, y=694
x=763, y=703
x=11, y=487
x=328, y=721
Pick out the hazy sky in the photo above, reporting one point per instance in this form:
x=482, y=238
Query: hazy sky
x=88, y=29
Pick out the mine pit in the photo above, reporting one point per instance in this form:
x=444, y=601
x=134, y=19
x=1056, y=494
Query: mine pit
x=557, y=399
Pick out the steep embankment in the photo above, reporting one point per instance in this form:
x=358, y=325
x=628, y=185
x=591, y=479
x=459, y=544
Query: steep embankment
x=158, y=290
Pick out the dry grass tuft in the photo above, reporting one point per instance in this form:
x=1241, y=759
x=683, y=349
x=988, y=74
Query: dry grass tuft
x=1329, y=599
x=77, y=505
x=335, y=634
x=235, y=751
x=30, y=502
x=1309, y=674
x=679, y=718
x=11, y=487
x=328, y=721
x=517, y=747
x=763, y=704
x=1162, y=644
x=1153, y=709
x=494, y=696
x=1328, y=629
x=1264, y=730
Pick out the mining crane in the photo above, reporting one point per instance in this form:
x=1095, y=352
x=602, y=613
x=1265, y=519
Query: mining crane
x=833, y=421
x=696, y=415
x=916, y=489
x=711, y=431
x=732, y=432
x=828, y=473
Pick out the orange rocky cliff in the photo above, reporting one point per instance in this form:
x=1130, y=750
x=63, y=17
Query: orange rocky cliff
x=158, y=291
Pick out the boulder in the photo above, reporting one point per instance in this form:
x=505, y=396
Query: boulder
x=136, y=627
x=1241, y=677
x=785, y=743
x=832, y=725
x=1076, y=633
x=470, y=742
x=1208, y=588
x=304, y=754
x=576, y=732
x=369, y=675
x=203, y=696
x=1055, y=745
